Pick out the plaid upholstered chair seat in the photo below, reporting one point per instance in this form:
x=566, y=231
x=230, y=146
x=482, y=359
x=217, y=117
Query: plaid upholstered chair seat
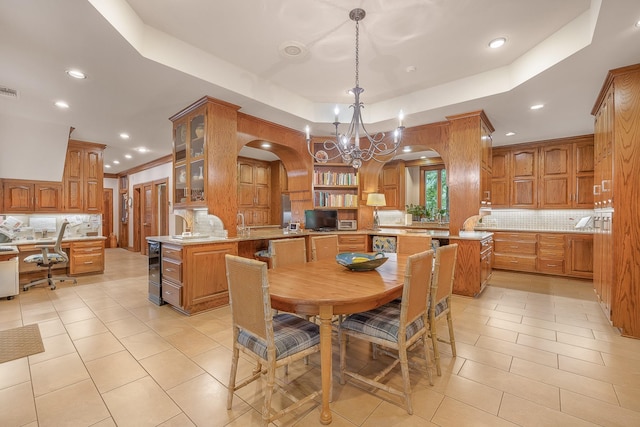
x=382, y=322
x=291, y=334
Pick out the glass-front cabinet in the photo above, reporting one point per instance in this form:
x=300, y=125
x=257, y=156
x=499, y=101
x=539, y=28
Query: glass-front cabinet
x=189, y=162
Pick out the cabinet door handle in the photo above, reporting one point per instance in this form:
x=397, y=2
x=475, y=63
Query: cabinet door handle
x=596, y=190
x=169, y=269
x=513, y=261
x=88, y=262
x=514, y=247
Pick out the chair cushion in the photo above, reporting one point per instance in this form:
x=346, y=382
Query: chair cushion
x=382, y=322
x=37, y=258
x=440, y=306
x=292, y=334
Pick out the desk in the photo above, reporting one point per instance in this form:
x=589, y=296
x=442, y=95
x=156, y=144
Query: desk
x=325, y=288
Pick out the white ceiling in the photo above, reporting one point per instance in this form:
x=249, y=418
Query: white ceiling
x=146, y=60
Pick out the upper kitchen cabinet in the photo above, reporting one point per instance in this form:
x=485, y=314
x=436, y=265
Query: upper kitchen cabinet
x=254, y=191
x=83, y=177
x=21, y=196
x=392, y=185
x=205, y=152
x=553, y=174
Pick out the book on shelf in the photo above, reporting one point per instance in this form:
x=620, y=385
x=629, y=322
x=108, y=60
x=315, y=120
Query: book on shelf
x=335, y=178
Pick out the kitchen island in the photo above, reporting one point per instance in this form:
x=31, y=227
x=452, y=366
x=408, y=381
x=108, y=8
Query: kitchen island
x=193, y=277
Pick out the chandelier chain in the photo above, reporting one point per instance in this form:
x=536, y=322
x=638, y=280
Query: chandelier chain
x=357, y=53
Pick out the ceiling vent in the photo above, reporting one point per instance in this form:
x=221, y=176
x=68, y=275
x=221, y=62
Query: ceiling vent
x=8, y=92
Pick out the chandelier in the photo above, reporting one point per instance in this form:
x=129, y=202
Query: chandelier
x=377, y=147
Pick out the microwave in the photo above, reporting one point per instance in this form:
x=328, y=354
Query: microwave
x=347, y=224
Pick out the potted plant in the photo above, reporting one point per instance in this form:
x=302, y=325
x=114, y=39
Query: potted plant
x=416, y=211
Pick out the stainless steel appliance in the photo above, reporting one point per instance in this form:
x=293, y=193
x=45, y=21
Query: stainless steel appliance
x=155, y=273
x=286, y=210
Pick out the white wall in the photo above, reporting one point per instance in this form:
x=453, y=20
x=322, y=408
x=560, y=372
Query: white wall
x=113, y=184
x=148, y=175
x=412, y=185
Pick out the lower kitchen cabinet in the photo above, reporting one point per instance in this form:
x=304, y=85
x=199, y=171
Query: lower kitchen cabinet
x=86, y=257
x=515, y=251
x=352, y=242
x=579, y=256
x=473, y=265
x=194, y=275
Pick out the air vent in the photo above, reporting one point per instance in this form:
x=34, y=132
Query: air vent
x=8, y=92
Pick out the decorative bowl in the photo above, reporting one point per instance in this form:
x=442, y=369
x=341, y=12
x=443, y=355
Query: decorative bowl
x=356, y=261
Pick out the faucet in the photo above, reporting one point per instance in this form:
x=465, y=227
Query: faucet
x=241, y=228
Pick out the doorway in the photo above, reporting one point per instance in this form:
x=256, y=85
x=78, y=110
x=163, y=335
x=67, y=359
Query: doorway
x=107, y=215
x=151, y=212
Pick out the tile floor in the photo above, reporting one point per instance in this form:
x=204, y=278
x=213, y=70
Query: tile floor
x=532, y=351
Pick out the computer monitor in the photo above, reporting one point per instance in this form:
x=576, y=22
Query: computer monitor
x=321, y=220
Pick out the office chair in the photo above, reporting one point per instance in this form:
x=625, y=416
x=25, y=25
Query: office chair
x=48, y=260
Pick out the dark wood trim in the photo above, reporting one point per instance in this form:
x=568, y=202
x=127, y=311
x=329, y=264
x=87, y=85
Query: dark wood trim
x=152, y=164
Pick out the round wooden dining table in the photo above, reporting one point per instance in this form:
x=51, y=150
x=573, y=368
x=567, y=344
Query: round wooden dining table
x=326, y=288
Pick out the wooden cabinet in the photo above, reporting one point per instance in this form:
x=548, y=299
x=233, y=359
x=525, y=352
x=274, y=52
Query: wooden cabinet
x=392, y=185
x=554, y=174
x=352, y=242
x=86, y=257
x=21, y=196
x=551, y=253
x=254, y=191
x=194, y=276
x=486, y=161
x=473, y=265
x=579, y=255
x=190, y=159
x=515, y=251
x=83, y=177
x=617, y=126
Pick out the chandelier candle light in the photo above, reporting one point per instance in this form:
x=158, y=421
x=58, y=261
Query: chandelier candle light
x=347, y=145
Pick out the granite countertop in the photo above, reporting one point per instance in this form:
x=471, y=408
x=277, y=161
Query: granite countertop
x=537, y=230
x=40, y=241
x=8, y=249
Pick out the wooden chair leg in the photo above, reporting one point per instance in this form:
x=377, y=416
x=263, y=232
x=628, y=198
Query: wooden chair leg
x=232, y=376
x=268, y=394
x=452, y=339
x=434, y=341
x=343, y=358
x=406, y=382
x=427, y=358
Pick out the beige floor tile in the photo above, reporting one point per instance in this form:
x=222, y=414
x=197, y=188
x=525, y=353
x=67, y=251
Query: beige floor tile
x=472, y=393
x=561, y=348
x=181, y=420
x=483, y=355
x=165, y=326
x=76, y=314
x=17, y=407
x=14, y=372
x=76, y=405
x=85, y=328
x=192, y=342
x=51, y=328
x=629, y=397
x=516, y=350
x=388, y=414
x=516, y=318
x=453, y=413
x=96, y=346
x=596, y=411
x=170, y=368
x=523, y=329
x=55, y=346
x=204, y=401
x=615, y=352
x=599, y=372
x=127, y=326
x=541, y=315
x=115, y=370
x=110, y=314
x=141, y=402
x=145, y=344
x=353, y=403
x=508, y=382
x=559, y=327
x=566, y=380
x=526, y=413
x=57, y=373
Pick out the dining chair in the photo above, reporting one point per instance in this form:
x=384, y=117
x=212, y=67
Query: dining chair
x=324, y=247
x=271, y=341
x=285, y=252
x=48, y=259
x=394, y=327
x=409, y=244
x=440, y=302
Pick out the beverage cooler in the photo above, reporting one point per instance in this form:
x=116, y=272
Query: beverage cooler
x=155, y=273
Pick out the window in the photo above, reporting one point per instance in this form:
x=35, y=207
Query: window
x=434, y=192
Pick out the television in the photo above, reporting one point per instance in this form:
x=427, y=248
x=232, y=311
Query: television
x=321, y=220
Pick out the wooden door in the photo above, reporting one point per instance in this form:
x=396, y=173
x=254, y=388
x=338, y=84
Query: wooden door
x=137, y=217
x=107, y=215
x=73, y=188
x=147, y=217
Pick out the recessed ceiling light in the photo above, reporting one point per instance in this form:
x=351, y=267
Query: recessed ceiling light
x=76, y=74
x=638, y=24
x=536, y=107
x=265, y=145
x=423, y=157
x=116, y=162
x=496, y=43
x=61, y=104
x=128, y=156
x=509, y=134
x=124, y=135
x=107, y=166
x=142, y=150
x=411, y=68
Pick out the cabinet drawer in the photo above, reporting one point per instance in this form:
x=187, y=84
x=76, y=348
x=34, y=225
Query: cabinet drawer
x=172, y=293
x=172, y=270
x=554, y=266
x=352, y=248
x=351, y=239
x=515, y=247
x=512, y=262
x=173, y=252
x=515, y=236
x=87, y=263
x=86, y=247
